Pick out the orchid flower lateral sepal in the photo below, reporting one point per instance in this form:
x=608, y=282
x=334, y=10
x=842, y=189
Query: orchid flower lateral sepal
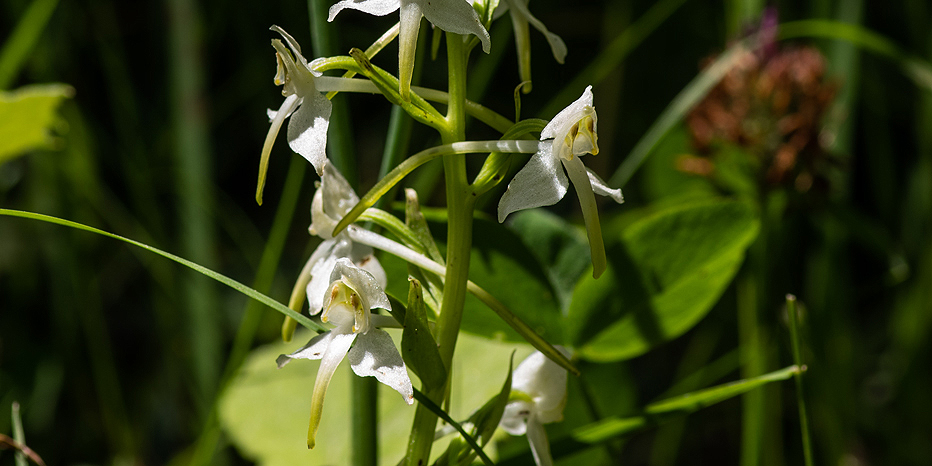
x=455, y=16
x=542, y=182
x=352, y=294
x=308, y=108
x=538, y=396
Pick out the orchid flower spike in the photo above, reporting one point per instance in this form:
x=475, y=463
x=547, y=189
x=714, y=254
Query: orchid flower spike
x=538, y=396
x=457, y=16
x=308, y=108
x=520, y=17
x=353, y=292
x=571, y=134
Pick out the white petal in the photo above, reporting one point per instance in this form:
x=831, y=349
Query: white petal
x=545, y=382
x=514, y=419
x=375, y=355
x=601, y=188
x=295, y=47
x=373, y=7
x=339, y=197
x=307, y=129
x=455, y=16
x=362, y=283
x=321, y=270
x=314, y=349
x=362, y=256
x=335, y=352
x=557, y=46
x=568, y=116
x=540, y=183
x=540, y=446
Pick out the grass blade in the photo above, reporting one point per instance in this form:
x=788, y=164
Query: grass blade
x=250, y=292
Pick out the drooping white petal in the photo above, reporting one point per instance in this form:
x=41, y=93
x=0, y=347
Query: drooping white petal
x=557, y=46
x=375, y=355
x=307, y=129
x=314, y=349
x=457, y=16
x=537, y=437
x=339, y=344
x=373, y=7
x=602, y=189
x=540, y=183
x=580, y=178
x=364, y=284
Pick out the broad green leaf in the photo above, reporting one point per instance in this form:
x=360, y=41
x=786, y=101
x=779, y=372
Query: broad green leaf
x=502, y=265
x=418, y=347
x=559, y=245
x=654, y=414
x=27, y=116
x=265, y=409
x=665, y=272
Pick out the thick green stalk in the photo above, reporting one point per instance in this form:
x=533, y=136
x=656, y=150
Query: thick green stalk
x=460, y=204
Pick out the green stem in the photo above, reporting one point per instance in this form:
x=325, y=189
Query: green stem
x=460, y=204
x=365, y=431
x=798, y=378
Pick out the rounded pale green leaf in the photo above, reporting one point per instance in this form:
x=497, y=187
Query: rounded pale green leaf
x=665, y=272
x=265, y=409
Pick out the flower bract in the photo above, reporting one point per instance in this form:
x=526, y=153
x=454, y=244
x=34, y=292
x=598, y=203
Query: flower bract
x=309, y=109
x=351, y=296
x=542, y=182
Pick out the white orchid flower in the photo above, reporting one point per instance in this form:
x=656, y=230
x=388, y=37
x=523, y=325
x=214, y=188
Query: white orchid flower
x=308, y=108
x=571, y=134
x=353, y=292
x=520, y=17
x=457, y=16
x=333, y=199
x=538, y=396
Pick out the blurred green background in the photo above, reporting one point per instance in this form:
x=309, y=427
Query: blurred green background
x=116, y=355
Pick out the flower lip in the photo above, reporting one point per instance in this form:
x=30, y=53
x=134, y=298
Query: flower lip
x=344, y=308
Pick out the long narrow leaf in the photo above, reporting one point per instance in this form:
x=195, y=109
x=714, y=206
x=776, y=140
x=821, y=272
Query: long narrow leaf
x=916, y=69
x=262, y=298
x=654, y=414
x=695, y=91
x=430, y=405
